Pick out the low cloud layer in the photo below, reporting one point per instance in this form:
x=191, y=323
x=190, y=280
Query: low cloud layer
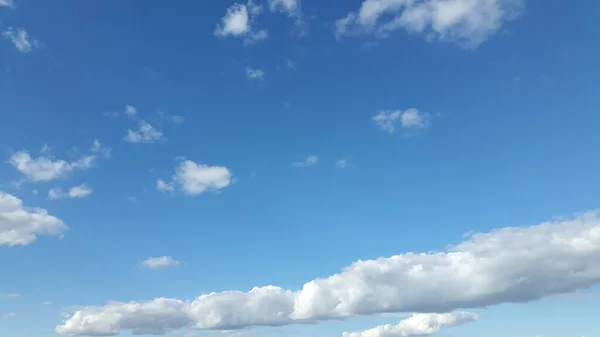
x=508, y=265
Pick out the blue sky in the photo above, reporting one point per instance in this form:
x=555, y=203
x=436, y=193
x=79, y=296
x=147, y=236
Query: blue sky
x=162, y=160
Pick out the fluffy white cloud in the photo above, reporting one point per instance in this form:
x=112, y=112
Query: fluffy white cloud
x=238, y=20
x=47, y=168
x=194, y=179
x=20, y=39
x=75, y=192
x=130, y=111
x=293, y=9
x=19, y=226
x=417, y=325
x=255, y=74
x=310, y=161
x=467, y=22
x=145, y=133
x=409, y=119
x=160, y=262
x=508, y=265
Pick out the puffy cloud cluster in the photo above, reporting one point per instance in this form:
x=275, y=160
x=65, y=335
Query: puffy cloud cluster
x=467, y=22
x=194, y=179
x=238, y=22
x=20, y=226
x=409, y=119
x=513, y=264
x=417, y=325
x=145, y=133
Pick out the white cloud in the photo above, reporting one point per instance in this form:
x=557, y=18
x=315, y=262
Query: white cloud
x=12, y=296
x=507, y=265
x=310, y=161
x=130, y=111
x=19, y=226
x=6, y=3
x=238, y=21
x=408, y=119
x=171, y=118
x=255, y=73
x=9, y=315
x=46, y=303
x=98, y=148
x=20, y=39
x=146, y=133
x=466, y=22
x=194, y=179
x=342, y=163
x=75, y=192
x=162, y=186
x=417, y=325
x=47, y=168
x=293, y=9
x=160, y=262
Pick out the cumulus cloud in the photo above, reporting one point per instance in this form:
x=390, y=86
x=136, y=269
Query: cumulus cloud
x=255, y=73
x=194, y=179
x=20, y=226
x=47, y=168
x=310, y=161
x=466, y=22
x=145, y=133
x=75, y=192
x=238, y=22
x=20, y=39
x=417, y=325
x=408, y=119
x=507, y=265
x=160, y=262
x=130, y=111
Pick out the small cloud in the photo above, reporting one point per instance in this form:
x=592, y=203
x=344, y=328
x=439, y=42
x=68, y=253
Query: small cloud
x=290, y=64
x=342, y=164
x=98, y=148
x=46, y=303
x=20, y=39
x=171, y=118
x=12, y=296
x=238, y=22
x=47, y=168
x=75, y=192
x=146, y=133
x=6, y=3
x=160, y=262
x=409, y=119
x=130, y=111
x=162, y=186
x=9, y=315
x=132, y=199
x=310, y=161
x=255, y=74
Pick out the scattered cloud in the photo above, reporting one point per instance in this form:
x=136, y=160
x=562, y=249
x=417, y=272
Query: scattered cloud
x=47, y=168
x=75, y=192
x=20, y=226
x=145, y=133
x=160, y=262
x=293, y=9
x=99, y=149
x=417, y=325
x=408, y=119
x=46, y=303
x=6, y=3
x=310, y=161
x=12, y=296
x=465, y=22
x=162, y=186
x=194, y=179
x=130, y=111
x=255, y=73
x=171, y=118
x=507, y=265
x=342, y=164
x=9, y=315
x=20, y=39
x=238, y=22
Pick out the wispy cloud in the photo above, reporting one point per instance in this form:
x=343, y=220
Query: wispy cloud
x=75, y=192
x=389, y=120
x=310, y=161
x=159, y=262
x=255, y=73
x=20, y=38
x=145, y=133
